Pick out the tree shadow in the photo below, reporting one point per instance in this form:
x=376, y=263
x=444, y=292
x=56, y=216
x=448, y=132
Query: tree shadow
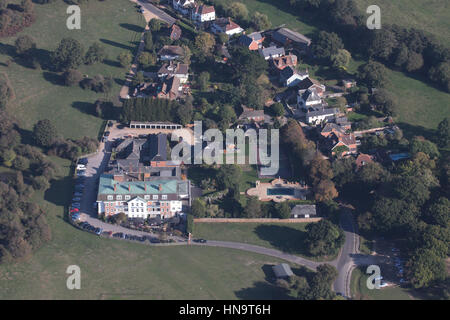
x=112, y=63
x=284, y=238
x=120, y=82
x=26, y=136
x=58, y=193
x=116, y=44
x=53, y=78
x=7, y=49
x=132, y=27
x=263, y=291
x=410, y=131
x=85, y=107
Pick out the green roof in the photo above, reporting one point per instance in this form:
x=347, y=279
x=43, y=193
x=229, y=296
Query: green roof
x=107, y=183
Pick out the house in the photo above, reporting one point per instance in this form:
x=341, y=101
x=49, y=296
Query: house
x=174, y=32
x=142, y=159
x=318, y=114
x=177, y=69
x=290, y=77
x=203, y=13
x=303, y=210
x=253, y=41
x=307, y=98
x=170, y=88
x=285, y=37
x=226, y=25
x=271, y=52
x=282, y=270
x=282, y=62
x=252, y=115
x=170, y=53
x=344, y=123
x=309, y=83
x=330, y=128
x=342, y=144
x=348, y=83
x=183, y=6
x=362, y=159
x=161, y=198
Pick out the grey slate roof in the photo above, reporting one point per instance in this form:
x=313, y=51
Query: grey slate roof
x=304, y=209
x=283, y=35
x=272, y=51
x=282, y=270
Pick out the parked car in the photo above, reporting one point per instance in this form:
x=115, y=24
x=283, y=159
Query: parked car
x=200, y=240
x=155, y=240
x=383, y=284
x=78, y=194
x=83, y=161
x=76, y=199
x=81, y=167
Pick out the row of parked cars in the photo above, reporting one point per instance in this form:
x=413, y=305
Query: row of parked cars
x=75, y=207
x=88, y=227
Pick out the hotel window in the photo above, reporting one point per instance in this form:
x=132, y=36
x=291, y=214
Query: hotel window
x=164, y=197
x=110, y=197
x=119, y=198
x=127, y=197
x=155, y=197
x=146, y=197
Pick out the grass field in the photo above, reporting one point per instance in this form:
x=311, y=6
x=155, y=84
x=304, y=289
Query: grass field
x=430, y=16
x=115, y=24
x=361, y=292
x=112, y=269
x=287, y=237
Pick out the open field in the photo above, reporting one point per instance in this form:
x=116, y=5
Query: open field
x=361, y=292
x=287, y=237
x=430, y=16
x=114, y=24
x=112, y=269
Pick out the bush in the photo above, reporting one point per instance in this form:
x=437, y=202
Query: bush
x=72, y=77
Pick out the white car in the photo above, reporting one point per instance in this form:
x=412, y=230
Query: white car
x=383, y=284
x=81, y=167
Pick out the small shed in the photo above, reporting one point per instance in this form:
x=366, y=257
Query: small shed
x=303, y=210
x=282, y=270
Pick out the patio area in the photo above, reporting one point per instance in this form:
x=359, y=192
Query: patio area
x=278, y=190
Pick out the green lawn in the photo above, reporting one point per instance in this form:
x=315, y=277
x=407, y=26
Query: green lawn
x=115, y=24
x=431, y=16
x=112, y=269
x=361, y=292
x=287, y=237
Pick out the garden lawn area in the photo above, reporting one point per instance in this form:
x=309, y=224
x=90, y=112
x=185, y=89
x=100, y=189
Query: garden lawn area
x=279, y=13
x=360, y=291
x=115, y=269
x=430, y=16
x=287, y=237
x=115, y=24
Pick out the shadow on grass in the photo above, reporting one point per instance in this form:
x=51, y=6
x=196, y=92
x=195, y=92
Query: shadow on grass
x=85, y=107
x=53, y=78
x=132, y=27
x=409, y=131
x=283, y=238
x=263, y=291
x=112, y=63
x=117, y=44
x=59, y=192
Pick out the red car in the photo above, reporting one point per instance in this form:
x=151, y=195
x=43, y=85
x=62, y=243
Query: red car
x=74, y=210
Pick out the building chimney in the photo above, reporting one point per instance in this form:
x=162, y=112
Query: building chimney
x=115, y=187
x=129, y=187
x=145, y=187
x=160, y=187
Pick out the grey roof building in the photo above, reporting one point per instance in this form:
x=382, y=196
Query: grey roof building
x=303, y=210
x=287, y=36
x=282, y=270
x=272, y=52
